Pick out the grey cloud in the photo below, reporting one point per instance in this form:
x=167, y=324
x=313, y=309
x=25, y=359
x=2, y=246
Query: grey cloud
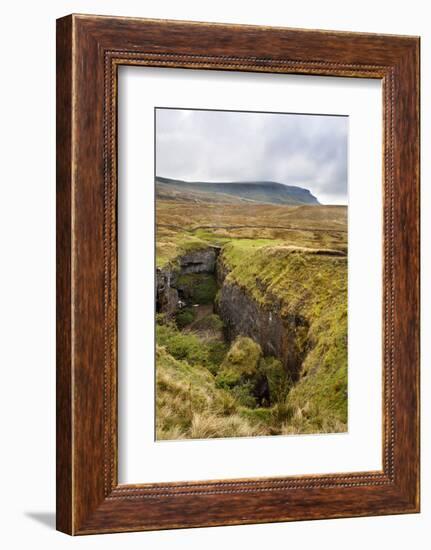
x=304, y=150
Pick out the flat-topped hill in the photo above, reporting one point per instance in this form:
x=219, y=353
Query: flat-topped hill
x=266, y=192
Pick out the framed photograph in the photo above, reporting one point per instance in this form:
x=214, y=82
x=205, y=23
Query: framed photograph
x=237, y=274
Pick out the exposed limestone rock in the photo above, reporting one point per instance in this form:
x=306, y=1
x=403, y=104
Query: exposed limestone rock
x=166, y=294
x=281, y=337
x=199, y=261
x=168, y=289
x=284, y=338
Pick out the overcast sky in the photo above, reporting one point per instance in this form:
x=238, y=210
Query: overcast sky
x=304, y=150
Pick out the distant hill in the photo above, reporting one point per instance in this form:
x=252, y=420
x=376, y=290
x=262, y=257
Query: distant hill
x=267, y=192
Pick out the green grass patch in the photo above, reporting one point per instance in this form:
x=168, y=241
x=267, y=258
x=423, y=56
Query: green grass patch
x=210, y=323
x=314, y=287
x=240, y=364
x=189, y=347
x=185, y=317
x=205, y=389
x=200, y=288
x=190, y=406
x=168, y=250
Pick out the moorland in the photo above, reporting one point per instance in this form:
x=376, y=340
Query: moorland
x=251, y=302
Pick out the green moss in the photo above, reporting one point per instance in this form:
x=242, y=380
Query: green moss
x=279, y=381
x=189, y=405
x=216, y=353
x=184, y=317
x=182, y=345
x=210, y=322
x=261, y=415
x=321, y=393
x=240, y=370
x=237, y=251
x=243, y=355
x=242, y=358
x=189, y=347
x=244, y=367
x=313, y=286
x=228, y=379
x=169, y=250
x=289, y=268
x=201, y=288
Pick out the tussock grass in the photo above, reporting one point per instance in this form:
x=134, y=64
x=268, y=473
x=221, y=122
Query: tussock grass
x=189, y=405
x=204, y=389
x=232, y=426
x=193, y=402
x=314, y=287
x=183, y=226
x=187, y=346
x=201, y=288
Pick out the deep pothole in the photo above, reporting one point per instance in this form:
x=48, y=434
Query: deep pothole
x=196, y=297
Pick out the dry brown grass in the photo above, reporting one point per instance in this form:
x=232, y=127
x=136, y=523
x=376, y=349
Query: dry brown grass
x=205, y=426
x=292, y=253
x=182, y=226
x=188, y=216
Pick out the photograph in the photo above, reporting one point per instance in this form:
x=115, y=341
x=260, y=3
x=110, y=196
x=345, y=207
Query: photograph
x=215, y=272
x=251, y=255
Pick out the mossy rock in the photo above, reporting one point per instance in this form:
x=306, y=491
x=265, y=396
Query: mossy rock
x=210, y=322
x=243, y=357
x=189, y=347
x=239, y=371
x=279, y=381
x=185, y=317
x=199, y=288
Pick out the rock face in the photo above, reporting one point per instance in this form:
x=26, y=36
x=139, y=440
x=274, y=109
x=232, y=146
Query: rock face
x=197, y=261
x=283, y=338
x=167, y=298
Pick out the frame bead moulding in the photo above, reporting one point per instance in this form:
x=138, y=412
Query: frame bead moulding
x=89, y=51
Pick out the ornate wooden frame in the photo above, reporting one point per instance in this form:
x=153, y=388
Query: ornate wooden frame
x=89, y=51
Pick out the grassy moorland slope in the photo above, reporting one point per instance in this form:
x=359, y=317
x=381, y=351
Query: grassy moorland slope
x=292, y=256
x=203, y=388
x=182, y=227
x=312, y=286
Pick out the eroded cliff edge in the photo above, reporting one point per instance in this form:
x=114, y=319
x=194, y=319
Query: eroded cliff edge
x=283, y=337
x=291, y=301
x=278, y=337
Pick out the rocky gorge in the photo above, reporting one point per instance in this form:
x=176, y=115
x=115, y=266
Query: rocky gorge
x=280, y=336
x=251, y=324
